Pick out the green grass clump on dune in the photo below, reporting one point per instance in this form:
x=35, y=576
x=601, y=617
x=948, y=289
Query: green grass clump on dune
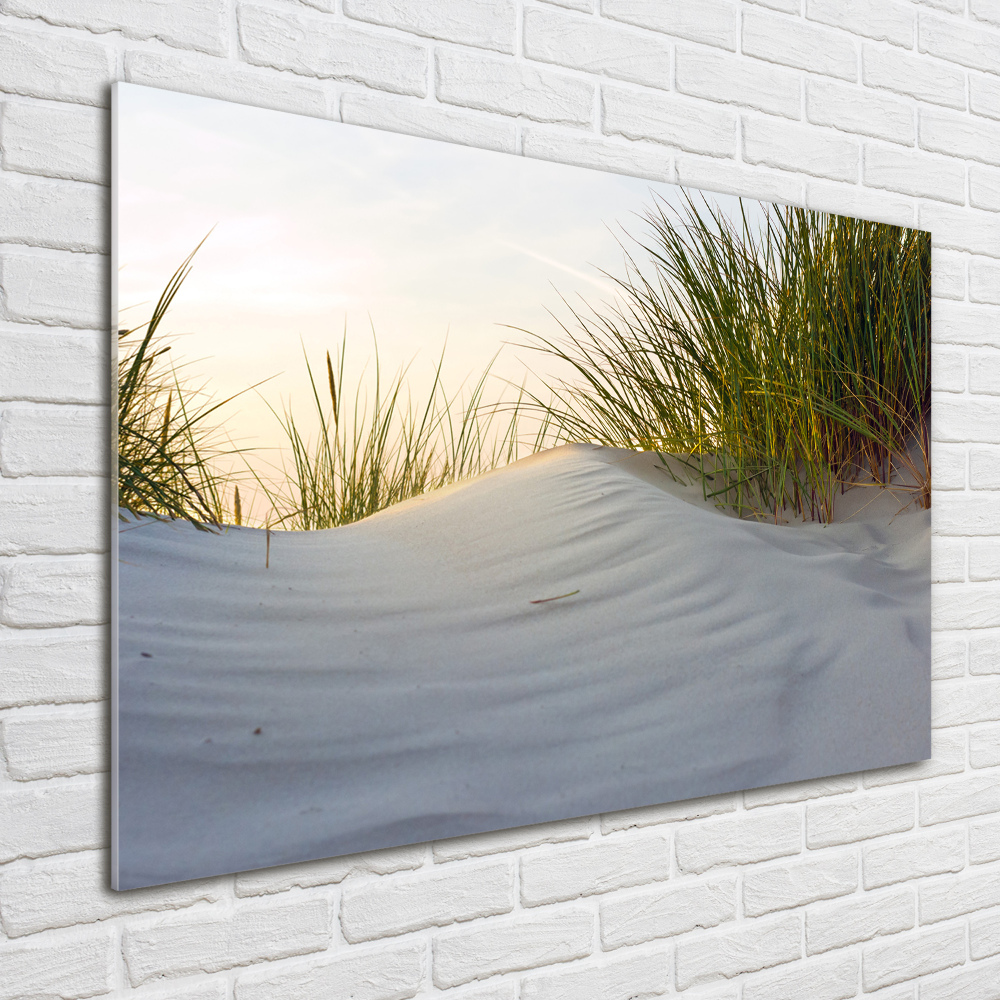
x=781, y=364
x=383, y=448
x=167, y=436
x=377, y=450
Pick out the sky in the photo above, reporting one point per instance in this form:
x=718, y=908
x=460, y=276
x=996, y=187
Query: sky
x=317, y=231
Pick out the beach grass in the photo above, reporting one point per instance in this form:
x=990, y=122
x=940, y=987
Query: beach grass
x=168, y=432
x=378, y=446
x=777, y=364
x=374, y=448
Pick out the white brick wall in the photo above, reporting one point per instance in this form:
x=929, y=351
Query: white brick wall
x=885, y=884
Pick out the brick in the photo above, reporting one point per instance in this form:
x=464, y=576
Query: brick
x=984, y=936
x=958, y=136
x=54, y=441
x=790, y=884
x=800, y=148
x=881, y=20
x=984, y=746
x=823, y=979
x=320, y=47
x=859, y=203
x=948, y=270
x=960, y=798
x=732, y=80
x=985, y=10
x=212, y=989
x=948, y=370
x=788, y=6
x=63, y=367
x=54, y=141
x=711, y=22
x=59, y=966
x=910, y=956
x=914, y=174
x=499, y=841
x=855, y=109
x=549, y=875
x=329, y=871
x=984, y=281
x=984, y=468
x=968, y=513
x=512, y=88
x=741, y=839
x=859, y=918
x=408, y=903
x=738, y=179
x=950, y=466
x=46, y=592
x=46, y=667
x=675, y=122
x=487, y=25
x=596, y=47
x=947, y=755
x=57, y=67
x=963, y=703
x=620, y=979
x=972, y=605
x=503, y=989
x=975, y=417
x=984, y=188
x=667, y=911
x=913, y=76
x=756, y=945
x=899, y=860
x=958, y=323
x=984, y=96
x=984, y=653
x=955, y=895
x=717, y=991
x=189, y=24
x=58, y=817
x=984, y=559
x=431, y=121
x=52, y=518
x=948, y=560
x=382, y=974
x=969, y=45
x=51, y=744
x=969, y=983
x=984, y=372
x=799, y=791
x=859, y=817
x=984, y=842
x=73, y=889
x=184, y=945
x=671, y=812
x=566, y=145
x=961, y=229
x=57, y=289
x=799, y=44
x=206, y=76
x=511, y=945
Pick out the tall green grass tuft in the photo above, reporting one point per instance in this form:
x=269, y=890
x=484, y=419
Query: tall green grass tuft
x=379, y=447
x=167, y=434
x=779, y=364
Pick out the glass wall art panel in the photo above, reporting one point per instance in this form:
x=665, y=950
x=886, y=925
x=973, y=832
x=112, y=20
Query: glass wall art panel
x=460, y=491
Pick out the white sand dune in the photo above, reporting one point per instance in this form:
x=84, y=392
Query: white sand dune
x=392, y=682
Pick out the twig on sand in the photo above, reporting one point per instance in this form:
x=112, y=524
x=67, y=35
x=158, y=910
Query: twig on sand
x=545, y=600
x=267, y=555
